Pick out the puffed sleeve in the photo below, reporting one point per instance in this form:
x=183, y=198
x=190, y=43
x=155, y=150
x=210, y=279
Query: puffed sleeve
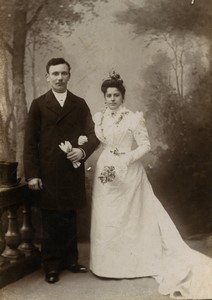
x=97, y=118
x=141, y=137
x=140, y=134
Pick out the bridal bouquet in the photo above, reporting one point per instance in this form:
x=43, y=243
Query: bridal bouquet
x=113, y=173
x=108, y=174
x=66, y=147
x=114, y=168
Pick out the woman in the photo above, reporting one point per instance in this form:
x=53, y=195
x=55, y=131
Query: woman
x=131, y=233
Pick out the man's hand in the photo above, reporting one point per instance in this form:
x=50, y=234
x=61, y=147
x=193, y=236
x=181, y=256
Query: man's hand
x=35, y=184
x=75, y=155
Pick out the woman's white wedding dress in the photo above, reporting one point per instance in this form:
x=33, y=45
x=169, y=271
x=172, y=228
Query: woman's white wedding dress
x=131, y=233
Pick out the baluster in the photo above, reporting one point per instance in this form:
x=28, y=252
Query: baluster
x=27, y=232
x=12, y=236
x=2, y=240
x=3, y=260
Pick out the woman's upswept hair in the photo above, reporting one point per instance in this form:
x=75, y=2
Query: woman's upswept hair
x=114, y=80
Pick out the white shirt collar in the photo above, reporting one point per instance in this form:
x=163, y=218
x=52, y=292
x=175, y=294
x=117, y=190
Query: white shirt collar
x=61, y=97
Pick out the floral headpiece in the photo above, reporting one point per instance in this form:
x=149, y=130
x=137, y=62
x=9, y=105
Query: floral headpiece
x=114, y=76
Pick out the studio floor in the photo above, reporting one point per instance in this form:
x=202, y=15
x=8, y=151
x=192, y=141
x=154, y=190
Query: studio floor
x=89, y=287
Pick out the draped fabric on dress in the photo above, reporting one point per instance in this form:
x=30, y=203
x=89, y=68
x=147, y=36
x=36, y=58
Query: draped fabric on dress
x=131, y=233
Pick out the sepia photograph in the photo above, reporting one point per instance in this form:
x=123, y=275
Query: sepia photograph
x=105, y=149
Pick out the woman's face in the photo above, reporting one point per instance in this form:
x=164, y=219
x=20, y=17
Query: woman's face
x=113, y=98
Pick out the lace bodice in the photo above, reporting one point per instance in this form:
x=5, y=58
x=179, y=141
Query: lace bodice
x=120, y=129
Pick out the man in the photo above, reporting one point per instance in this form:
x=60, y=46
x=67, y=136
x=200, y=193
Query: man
x=54, y=118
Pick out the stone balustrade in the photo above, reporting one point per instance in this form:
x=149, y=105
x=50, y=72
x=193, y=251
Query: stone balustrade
x=19, y=256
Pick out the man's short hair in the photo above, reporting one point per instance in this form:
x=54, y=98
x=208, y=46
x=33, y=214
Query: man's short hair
x=57, y=61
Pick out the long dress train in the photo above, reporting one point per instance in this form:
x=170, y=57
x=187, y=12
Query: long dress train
x=131, y=233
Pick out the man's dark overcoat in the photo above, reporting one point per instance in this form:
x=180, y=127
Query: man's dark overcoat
x=47, y=126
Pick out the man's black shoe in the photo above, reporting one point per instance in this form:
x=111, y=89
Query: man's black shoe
x=52, y=276
x=76, y=268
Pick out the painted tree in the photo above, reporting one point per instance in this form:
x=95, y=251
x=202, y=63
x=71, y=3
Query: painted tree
x=185, y=116
x=38, y=44
x=18, y=19
x=170, y=17
x=173, y=22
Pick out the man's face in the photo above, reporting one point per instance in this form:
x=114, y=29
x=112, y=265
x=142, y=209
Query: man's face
x=58, y=77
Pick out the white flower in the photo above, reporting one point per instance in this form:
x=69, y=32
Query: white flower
x=66, y=147
x=82, y=140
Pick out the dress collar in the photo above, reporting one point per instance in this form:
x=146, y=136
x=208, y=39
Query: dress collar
x=113, y=113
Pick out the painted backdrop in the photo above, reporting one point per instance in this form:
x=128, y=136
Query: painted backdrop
x=162, y=50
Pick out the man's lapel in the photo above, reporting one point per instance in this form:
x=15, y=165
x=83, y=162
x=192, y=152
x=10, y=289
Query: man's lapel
x=68, y=106
x=52, y=103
